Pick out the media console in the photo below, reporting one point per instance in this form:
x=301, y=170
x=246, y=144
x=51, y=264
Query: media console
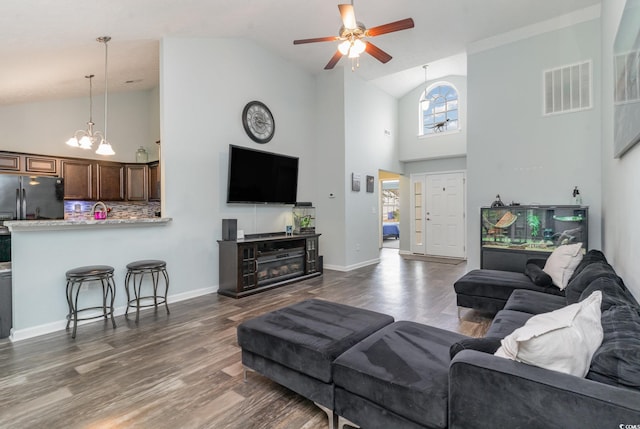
x=264, y=261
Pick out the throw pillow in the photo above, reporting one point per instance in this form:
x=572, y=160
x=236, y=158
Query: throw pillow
x=563, y=340
x=486, y=345
x=537, y=275
x=617, y=361
x=562, y=263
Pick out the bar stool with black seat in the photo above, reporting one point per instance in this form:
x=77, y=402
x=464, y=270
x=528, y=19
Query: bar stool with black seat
x=136, y=272
x=76, y=277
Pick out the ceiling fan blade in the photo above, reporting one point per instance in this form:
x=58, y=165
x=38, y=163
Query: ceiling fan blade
x=317, y=39
x=348, y=16
x=333, y=61
x=403, y=24
x=377, y=53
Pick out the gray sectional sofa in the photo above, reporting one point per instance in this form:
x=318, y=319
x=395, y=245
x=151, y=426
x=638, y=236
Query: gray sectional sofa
x=409, y=375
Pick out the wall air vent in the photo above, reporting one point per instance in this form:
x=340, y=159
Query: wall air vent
x=568, y=88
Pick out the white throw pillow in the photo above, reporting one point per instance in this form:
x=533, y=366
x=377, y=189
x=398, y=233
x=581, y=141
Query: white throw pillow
x=563, y=340
x=562, y=263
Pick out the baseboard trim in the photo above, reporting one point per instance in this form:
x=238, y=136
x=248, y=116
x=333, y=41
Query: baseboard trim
x=60, y=325
x=347, y=268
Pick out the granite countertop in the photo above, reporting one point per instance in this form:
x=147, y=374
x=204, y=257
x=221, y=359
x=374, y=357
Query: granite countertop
x=5, y=267
x=42, y=225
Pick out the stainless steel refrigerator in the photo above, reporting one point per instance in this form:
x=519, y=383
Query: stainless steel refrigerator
x=31, y=197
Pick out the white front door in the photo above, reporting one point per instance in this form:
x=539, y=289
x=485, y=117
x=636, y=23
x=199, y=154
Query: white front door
x=437, y=225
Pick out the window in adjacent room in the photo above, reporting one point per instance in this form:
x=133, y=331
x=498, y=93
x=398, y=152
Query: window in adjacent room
x=438, y=108
x=567, y=88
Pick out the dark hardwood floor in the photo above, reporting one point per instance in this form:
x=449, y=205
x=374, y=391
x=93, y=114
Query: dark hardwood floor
x=183, y=370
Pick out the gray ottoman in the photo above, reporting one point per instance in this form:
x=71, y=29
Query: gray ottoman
x=396, y=378
x=296, y=345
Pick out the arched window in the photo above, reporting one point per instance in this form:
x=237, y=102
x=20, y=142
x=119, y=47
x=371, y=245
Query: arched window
x=439, y=109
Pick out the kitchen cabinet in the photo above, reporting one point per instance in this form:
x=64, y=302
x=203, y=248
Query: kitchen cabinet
x=137, y=176
x=265, y=261
x=10, y=162
x=78, y=179
x=40, y=165
x=154, y=181
x=28, y=164
x=110, y=181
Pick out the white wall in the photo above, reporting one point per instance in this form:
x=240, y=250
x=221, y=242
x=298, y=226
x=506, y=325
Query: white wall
x=369, y=112
x=44, y=127
x=329, y=156
x=414, y=147
x=516, y=152
x=205, y=84
x=620, y=177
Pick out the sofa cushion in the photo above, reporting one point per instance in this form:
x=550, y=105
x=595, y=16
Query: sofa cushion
x=309, y=335
x=617, y=361
x=529, y=301
x=613, y=291
x=497, y=284
x=563, y=340
x=404, y=367
x=562, y=263
x=505, y=322
x=537, y=275
x=485, y=345
x=588, y=274
x=590, y=257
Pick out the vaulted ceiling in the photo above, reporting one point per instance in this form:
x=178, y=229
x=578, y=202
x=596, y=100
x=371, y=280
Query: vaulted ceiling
x=48, y=46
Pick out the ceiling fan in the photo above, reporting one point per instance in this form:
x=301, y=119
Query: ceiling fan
x=352, y=33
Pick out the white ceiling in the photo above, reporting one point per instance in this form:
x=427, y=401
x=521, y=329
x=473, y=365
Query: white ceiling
x=48, y=46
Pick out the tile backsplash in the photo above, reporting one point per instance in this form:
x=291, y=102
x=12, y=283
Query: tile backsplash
x=80, y=210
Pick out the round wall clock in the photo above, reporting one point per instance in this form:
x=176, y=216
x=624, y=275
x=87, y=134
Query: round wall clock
x=258, y=122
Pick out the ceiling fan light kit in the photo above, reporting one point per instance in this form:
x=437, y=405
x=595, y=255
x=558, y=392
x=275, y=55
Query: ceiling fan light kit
x=352, y=34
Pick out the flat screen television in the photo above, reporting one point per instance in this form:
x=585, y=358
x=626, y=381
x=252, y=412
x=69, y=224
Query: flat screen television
x=259, y=177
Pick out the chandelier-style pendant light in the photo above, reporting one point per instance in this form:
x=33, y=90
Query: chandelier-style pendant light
x=105, y=147
x=84, y=139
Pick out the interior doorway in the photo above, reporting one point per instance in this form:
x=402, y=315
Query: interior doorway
x=390, y=209
x=437, y=214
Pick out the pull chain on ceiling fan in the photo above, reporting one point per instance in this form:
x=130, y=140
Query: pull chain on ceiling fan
x=352, y=35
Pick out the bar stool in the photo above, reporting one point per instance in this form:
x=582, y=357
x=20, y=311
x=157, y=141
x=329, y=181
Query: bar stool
x=75, y=278
x=137, y=270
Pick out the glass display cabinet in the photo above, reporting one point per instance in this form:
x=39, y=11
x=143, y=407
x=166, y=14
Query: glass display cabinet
x=510, y=235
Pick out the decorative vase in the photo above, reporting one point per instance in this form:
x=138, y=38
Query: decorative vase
x=142, y=155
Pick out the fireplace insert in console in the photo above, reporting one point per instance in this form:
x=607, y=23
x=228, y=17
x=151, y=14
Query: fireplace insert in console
x=264, y=261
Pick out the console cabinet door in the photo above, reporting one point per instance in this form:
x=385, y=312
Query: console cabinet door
x=110, y=182
x=247, y=267
x=137, y=182
x=78, y=179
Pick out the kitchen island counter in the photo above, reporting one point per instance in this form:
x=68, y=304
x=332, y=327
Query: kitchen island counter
x=57, y=225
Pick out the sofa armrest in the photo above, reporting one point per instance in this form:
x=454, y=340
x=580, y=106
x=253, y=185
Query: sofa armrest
x=490, y=392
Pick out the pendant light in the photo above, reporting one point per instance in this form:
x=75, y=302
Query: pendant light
x=105, y=147
x=84, y=138
x=425, y=100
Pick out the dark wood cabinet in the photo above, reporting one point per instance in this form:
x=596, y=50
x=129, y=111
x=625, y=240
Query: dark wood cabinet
x=28, y=164
x=41, y=165
x=110, y=181
x=137, y=175
x=265, y=261
x=78, y=179
x=154, y=181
